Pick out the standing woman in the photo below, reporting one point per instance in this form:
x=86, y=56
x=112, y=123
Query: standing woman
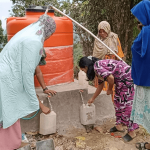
x=141, y=70
x=110, y=39
x=18, y=61
x=118, y=73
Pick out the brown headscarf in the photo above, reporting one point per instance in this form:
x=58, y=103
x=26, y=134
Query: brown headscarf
x=111, y=41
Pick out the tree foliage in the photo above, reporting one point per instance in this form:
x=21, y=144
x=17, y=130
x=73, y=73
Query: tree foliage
x=5, y=40
x=117, y=13
x=89, y=13
x=19, y=6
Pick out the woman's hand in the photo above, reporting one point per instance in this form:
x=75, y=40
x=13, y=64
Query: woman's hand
x=109, y=92
x=45, y=109
x=90, y=101
x=50, y=92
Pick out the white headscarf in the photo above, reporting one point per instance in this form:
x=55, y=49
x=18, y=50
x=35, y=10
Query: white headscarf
x=111, y=41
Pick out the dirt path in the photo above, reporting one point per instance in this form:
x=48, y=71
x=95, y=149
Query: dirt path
x=94, y=140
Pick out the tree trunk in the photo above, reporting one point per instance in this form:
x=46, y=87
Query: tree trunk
x=117, y=13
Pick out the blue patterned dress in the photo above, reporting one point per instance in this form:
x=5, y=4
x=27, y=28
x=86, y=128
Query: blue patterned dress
x=141, y=107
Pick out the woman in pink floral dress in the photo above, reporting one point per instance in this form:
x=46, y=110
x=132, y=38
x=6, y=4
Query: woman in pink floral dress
x=118, y=73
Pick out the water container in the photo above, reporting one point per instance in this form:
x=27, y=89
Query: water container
x=47, y=123
x=82, y=79
x=87, y=114
x=59, y=47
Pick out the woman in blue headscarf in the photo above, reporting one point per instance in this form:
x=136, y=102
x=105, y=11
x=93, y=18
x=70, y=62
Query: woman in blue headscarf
x=141, y=70
x=18, y=62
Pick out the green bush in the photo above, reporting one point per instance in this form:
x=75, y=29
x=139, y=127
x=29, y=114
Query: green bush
x=77, y=55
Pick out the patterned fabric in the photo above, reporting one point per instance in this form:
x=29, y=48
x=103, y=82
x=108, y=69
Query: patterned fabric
x=49, y=27
x=141, y=107
x=124, y=88
x=42, y=60
x=18, y=61
x=111, y=41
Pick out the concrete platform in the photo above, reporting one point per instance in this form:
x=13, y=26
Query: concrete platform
x=66, y=104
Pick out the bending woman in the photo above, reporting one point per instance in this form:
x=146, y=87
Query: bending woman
x=18, y=61
x=118, y=73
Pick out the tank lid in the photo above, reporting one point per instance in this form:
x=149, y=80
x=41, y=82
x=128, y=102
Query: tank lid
x=38, y=9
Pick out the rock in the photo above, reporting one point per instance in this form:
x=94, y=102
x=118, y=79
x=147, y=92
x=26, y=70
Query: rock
x=32, y=133
x=80, y=144
x=99, y=129
x=113, y=148
x=59, y=148
x=80, y=138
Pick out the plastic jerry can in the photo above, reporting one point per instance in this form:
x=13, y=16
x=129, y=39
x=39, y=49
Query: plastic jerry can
x=47, y=123
x=82, y=79
x=87, y=114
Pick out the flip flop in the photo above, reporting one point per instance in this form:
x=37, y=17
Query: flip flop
x=141, y=146
x=127, y=138
x=114, y=129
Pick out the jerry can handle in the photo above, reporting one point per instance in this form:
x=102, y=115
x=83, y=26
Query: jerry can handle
x=88, y=104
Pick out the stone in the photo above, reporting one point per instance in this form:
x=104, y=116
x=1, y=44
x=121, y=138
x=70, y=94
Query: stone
x=59, y=148
x=80, y=144
x=45, y=145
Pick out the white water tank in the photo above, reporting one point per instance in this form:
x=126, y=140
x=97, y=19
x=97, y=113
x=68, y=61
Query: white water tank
x=82, y=79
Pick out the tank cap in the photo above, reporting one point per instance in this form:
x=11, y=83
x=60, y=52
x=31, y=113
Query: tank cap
x=33, y=8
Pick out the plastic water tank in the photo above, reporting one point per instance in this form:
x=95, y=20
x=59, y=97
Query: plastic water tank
x=59, y=47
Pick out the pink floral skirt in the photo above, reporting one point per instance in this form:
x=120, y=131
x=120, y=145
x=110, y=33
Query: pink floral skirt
x=10, y=138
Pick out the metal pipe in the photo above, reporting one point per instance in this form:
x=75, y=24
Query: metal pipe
x=86, y=31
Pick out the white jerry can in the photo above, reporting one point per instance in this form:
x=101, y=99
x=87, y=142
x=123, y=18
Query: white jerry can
x=82, y=79
x=87, y=114
x=47, y=123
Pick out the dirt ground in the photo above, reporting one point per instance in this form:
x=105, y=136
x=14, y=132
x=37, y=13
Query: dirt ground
x=94, y=140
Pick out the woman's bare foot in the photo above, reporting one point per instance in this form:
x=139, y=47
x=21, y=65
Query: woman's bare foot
x=132, y=134
x=119, y=127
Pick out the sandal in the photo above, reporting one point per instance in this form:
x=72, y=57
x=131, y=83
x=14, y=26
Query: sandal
x=127, y=138
x=141, y=146
x=114, y=129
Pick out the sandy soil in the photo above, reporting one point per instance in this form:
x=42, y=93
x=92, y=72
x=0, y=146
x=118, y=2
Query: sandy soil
x=94, y=140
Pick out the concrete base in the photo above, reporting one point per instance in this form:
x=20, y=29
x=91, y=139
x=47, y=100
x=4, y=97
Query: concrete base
x=66, y=104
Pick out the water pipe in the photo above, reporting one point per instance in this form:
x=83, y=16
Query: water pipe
x=31, y=116
x=85, y=30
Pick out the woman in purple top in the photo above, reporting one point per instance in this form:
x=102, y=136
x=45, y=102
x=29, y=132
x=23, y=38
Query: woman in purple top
x=118, y=73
